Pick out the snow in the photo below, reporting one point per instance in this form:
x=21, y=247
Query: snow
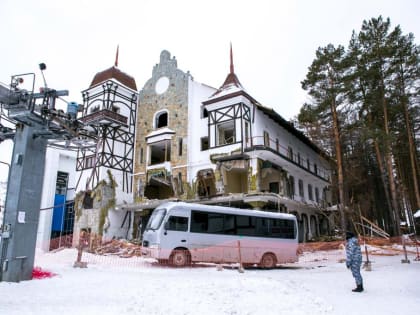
x=318, y=284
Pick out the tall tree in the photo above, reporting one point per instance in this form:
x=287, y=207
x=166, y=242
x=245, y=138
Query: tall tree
x=376, y=44
x=325, y=84
x=362, y=92
x=406, y=82
x=367, y=99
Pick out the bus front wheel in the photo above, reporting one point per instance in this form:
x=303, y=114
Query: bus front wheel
x=180, y=258
x=268, y=261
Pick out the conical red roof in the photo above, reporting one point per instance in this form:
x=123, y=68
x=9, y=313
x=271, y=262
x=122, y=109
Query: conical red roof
x=231, y=83
x=117, y=74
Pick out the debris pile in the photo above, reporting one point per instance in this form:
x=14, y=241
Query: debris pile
x=121, y=248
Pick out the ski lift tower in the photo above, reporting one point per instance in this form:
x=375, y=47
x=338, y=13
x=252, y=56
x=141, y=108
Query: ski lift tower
x=37, y=123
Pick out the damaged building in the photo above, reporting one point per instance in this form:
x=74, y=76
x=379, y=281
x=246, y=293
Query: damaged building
x=104, y=172
x=221, y=146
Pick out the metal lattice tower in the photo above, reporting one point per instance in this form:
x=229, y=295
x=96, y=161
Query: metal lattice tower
x=37, y=124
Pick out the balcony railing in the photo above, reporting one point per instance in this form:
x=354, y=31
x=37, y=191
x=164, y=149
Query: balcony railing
x=104, y=116
x=263, y=143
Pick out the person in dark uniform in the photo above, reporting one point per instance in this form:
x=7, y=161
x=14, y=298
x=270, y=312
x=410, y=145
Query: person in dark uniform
x=354, y=259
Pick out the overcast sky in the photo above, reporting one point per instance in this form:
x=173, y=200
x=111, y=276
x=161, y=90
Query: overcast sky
x=274, y=42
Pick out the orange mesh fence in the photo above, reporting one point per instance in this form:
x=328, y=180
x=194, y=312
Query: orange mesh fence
x=124, y=253
x=371, y=246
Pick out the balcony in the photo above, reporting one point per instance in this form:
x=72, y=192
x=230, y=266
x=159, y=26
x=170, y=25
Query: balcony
x=269, y=149
x=105, y=117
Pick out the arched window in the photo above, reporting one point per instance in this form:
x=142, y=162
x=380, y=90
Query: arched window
x=161, y=119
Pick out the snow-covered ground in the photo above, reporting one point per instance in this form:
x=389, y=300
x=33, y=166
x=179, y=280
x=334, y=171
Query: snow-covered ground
x=318, y=284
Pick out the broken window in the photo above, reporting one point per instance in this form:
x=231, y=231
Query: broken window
x=160, y=152
x=225, y=133
x=206, y=183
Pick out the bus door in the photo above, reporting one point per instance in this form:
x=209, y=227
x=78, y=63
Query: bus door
x=176, y=232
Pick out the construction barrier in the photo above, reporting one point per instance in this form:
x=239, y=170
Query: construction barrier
x=128, y=254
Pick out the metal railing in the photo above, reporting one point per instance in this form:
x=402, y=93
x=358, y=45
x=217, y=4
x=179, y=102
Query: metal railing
x=276, y=147
x=104, y=114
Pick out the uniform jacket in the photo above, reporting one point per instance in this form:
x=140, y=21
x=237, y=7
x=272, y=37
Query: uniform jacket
x=353, y=252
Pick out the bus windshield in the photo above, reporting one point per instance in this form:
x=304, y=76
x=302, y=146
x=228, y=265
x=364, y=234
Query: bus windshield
x=156, y=219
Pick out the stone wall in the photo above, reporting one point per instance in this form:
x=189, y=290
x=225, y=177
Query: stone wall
x=154, y=98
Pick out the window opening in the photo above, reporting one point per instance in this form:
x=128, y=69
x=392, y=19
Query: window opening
x=266, y=139
x=274, y=187
x=310, y=192
x=161, y=120
x=301, y=192
x=160, y=152
x=226, y=133
x=204, y=143
x=290, y=153
x=180, y=146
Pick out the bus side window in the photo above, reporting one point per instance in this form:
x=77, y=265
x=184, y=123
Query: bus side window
x=177, y=223
x=229, y=226
x=199, y=222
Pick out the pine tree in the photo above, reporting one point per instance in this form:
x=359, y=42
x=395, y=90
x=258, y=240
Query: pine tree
x=406, y=85
x=364, y=111
x=325, y=84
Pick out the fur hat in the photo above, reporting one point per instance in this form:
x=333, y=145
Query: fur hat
x=349, y=235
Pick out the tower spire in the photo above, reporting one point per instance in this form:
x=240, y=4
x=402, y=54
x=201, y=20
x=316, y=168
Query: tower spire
x=231, y=59
x=116, y=56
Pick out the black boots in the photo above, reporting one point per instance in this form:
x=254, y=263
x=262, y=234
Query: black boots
x=359, y=288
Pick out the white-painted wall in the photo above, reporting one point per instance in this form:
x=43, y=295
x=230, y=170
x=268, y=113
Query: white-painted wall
x=56, y=160
x=119, y=147
x=286, y=139
x=121, y=103
x=197, y=128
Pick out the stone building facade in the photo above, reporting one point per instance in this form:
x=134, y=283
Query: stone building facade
x=161, y=164
x=221, y=146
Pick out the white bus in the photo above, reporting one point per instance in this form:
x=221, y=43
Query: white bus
x=181, y=233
